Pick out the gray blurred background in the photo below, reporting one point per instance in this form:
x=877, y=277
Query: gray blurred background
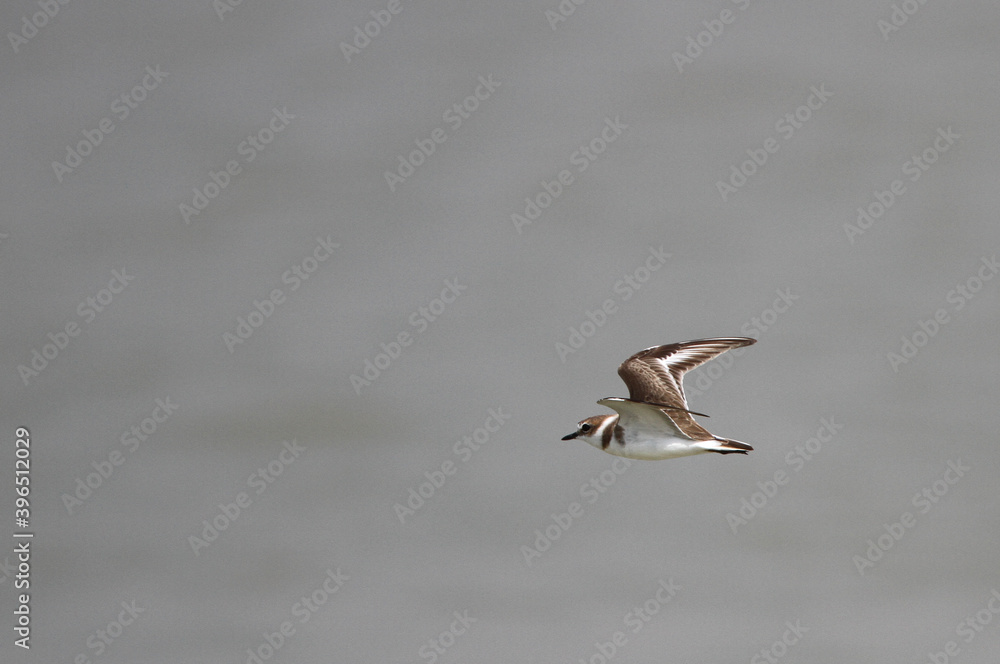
x=822, y=550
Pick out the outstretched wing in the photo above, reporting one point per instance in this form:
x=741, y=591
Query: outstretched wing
x=656, y=375
x=640, y=416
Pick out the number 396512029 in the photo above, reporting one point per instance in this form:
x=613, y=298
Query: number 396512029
x=22, y=474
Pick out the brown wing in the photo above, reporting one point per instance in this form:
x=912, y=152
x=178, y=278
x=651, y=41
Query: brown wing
x=686, y=424
x=656, y=375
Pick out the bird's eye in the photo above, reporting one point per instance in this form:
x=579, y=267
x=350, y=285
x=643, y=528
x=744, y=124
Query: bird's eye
x=585, y=428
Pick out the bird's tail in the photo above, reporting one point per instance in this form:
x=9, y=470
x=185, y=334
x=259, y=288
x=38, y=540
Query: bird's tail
x=725, y=446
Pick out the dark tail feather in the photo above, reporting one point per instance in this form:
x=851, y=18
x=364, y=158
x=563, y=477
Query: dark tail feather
x=727, y=446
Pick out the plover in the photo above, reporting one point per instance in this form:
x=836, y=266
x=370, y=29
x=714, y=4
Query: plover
x=654, y=422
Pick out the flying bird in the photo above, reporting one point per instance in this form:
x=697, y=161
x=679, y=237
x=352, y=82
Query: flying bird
x=654, y=422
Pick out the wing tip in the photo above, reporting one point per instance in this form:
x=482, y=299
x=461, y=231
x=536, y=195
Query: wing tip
x=735, y=342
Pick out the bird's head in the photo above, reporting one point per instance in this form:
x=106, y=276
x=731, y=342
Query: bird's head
x=589, y=428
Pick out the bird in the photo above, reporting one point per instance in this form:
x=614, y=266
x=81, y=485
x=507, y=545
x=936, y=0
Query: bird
x=654, y=422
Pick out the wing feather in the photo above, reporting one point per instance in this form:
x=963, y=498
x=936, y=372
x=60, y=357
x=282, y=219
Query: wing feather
x=647, y=416
x=656, y=375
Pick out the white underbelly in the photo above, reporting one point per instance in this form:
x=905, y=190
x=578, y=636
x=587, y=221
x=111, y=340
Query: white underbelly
x=647, y=447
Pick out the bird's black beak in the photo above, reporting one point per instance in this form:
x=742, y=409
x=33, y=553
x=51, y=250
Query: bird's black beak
x=571, y=436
